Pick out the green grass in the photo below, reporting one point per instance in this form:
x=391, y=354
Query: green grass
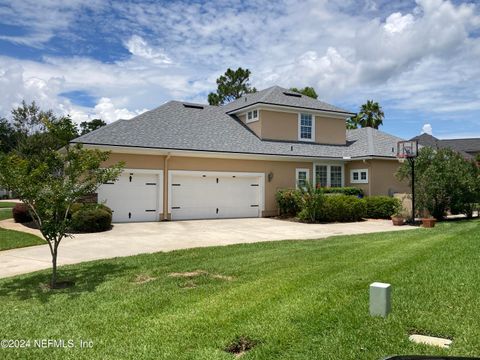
x=5, y=214
x=7, y=205
x=10, y=239
x=298, y=299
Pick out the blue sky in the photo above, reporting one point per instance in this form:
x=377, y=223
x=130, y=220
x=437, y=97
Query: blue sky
x=418, y=59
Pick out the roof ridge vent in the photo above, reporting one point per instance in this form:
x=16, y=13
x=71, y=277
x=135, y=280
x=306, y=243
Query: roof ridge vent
x=292, y=94
x=193, y=106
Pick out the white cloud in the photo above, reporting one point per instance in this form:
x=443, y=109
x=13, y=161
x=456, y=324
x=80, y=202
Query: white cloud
x=420, y=59
x=396, y=23
x=139, y=47
x=42, y=19
x=107, y=111
x=427, y=129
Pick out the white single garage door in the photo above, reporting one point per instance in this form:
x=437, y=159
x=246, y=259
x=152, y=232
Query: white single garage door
x=136, y=196
x=211, y=195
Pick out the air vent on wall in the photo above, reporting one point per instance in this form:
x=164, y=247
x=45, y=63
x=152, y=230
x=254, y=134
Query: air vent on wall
x=191, y=106
x=292, y=94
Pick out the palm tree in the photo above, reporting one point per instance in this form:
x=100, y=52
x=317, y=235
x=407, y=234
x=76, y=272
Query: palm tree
x=370, y=115
x=353, y=122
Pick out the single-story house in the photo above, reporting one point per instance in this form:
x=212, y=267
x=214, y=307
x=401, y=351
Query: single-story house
x=196, y=161
x=469, y=147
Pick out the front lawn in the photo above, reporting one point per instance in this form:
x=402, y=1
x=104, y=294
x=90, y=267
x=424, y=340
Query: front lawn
x=10, y=239
x=5, y=214
x=7, y=204
x=296, y=299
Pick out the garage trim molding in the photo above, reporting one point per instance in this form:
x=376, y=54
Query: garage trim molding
x=171, y=173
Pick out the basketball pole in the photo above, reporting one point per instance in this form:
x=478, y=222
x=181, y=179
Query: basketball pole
x=412, y=167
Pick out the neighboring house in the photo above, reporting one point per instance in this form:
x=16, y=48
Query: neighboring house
x=194, y=161
x=469, y=148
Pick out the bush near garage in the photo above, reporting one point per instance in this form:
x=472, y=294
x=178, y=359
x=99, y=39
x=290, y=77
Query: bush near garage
x=311, y=205
x=310, y=202
x=382, y=207
x=343, y=208
x=21, y=214
x=288, y=202
x=343, y=190
x=90, y=218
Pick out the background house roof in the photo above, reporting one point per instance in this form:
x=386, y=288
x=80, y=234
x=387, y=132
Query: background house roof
x=471, y=145
x=277, y=95
x=174, y=126
x=466, y=147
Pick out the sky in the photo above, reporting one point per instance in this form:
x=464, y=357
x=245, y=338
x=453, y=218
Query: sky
x=115, y=59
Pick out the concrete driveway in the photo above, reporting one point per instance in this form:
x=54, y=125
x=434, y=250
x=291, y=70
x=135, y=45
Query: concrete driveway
x=137, y=238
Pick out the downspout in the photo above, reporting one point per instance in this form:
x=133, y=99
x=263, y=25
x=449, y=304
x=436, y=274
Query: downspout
x=370, y=175
x=165, y=187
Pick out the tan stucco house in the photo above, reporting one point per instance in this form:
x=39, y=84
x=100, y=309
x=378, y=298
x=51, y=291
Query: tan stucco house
x=195, y=161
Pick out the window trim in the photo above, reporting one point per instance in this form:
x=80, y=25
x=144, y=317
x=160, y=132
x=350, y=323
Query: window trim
x=329, y=171
x=253, y=119
x=299, y=127
x=298, y=171
x=359, y=181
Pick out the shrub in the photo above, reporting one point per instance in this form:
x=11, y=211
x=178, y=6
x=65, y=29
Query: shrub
x=344, y=190
x=288, y=201
x=91, y=218
x=310, y=203
x=343, y=208
x=382, y=207
x=21, y=214
x=79, y=206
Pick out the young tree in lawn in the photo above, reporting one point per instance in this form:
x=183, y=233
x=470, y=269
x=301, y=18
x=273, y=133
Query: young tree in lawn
x=50, y=185
x=307, y=90
x=230, y=86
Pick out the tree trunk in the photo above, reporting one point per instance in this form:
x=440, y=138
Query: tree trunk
x=53, y=284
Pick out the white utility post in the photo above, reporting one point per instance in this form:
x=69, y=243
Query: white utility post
x=380, y=304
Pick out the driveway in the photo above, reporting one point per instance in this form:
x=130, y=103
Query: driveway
x=137, y=238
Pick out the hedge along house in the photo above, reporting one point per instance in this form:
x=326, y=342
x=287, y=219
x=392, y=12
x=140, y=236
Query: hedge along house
x=194, y=161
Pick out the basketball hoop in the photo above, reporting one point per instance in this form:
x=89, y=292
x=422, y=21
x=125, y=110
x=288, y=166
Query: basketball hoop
x=407, y=149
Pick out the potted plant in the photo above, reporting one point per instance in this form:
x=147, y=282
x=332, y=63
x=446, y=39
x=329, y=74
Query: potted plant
x=428, y=222
x=397, y=218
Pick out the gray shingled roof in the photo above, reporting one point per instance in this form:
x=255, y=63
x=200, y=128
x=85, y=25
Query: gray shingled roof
x=471, y=145
x=462, y=146
x=174, y=126
x=276, y=95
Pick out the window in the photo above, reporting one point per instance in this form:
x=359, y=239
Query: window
x=302, y=176
x=359, y=176
x=321, y=176
x=335, y=176
x=328, y=175
x=252, y=116
x=306, y=127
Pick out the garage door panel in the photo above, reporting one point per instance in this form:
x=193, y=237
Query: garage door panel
x=240, y=189
x=134, y=197
x=185, y=190
x=194, y=212
x=205, y=196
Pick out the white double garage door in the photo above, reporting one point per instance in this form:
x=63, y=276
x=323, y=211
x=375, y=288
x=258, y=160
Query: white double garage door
x=137, y=195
